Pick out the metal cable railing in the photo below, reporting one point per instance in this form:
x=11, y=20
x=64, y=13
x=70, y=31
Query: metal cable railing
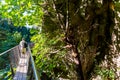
x=34, y=75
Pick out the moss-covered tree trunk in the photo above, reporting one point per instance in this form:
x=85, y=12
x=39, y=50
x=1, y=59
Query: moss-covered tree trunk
x=88, y=27
x=99, y=22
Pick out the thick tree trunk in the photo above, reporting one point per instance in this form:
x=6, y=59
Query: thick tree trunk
x=93, y=31
x=101, y=22
x=99, y=25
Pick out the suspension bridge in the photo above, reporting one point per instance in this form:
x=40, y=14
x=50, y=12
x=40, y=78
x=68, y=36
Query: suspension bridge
x=17, y=66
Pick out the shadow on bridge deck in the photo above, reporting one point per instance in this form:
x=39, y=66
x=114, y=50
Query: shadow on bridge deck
x=22, y=68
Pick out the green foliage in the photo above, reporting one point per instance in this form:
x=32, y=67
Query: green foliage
x=117, y=6
x=48, y=57
x=105, y=73
x=21, y=11
x=48, y=49
x=11, y=40
x=3, y=59
x=33, y=31
x=2, y=37
x=5, y=73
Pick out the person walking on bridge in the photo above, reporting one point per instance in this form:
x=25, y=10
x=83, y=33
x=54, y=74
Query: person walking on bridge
x=23, y=46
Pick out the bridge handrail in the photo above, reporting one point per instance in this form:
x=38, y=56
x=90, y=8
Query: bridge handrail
x=7, y=50
x=33, y=65
x=31, y=60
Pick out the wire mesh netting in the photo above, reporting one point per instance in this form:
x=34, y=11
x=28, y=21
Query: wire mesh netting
x=8, y=63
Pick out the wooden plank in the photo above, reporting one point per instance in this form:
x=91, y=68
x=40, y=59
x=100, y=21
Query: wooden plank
x=21, y=72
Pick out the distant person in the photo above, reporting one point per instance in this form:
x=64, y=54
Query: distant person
x=23, y=46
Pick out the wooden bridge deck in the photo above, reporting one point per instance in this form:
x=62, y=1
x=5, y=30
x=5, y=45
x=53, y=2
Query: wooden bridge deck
x=21, y=63
x=21, y=72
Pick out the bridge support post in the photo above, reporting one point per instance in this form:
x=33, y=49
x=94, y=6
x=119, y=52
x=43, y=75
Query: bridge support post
x=12, y=70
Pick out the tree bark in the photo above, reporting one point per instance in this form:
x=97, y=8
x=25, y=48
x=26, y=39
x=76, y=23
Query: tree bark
x=92, y=30
x=72, y=33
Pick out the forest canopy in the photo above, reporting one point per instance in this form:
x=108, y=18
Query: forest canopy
x=74, y=39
